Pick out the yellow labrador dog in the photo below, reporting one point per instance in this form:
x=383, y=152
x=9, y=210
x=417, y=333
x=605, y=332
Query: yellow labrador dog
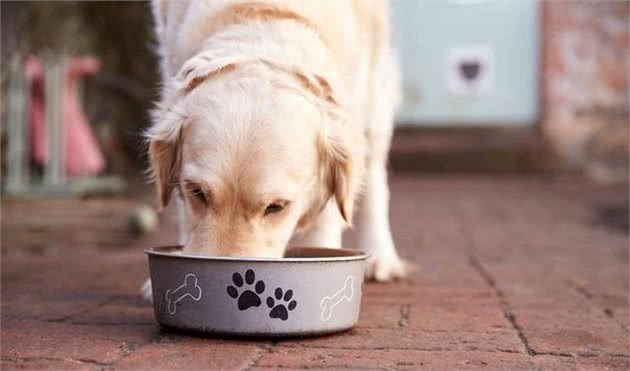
x=274, y=117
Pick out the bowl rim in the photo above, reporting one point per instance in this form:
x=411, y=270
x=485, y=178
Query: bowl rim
x=349, y=255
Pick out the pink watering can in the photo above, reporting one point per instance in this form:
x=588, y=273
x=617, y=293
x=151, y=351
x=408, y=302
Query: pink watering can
x=81, y=153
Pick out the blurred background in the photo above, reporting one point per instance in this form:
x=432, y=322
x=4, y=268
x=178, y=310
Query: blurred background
x=531, y=88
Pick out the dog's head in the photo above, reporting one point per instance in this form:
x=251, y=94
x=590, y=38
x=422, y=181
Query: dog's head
x=256, y=150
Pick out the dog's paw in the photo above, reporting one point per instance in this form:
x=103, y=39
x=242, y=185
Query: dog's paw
x=384, y=268
x=147, y=291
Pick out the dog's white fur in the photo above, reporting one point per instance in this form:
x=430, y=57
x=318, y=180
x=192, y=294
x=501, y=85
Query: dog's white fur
x=282, y=103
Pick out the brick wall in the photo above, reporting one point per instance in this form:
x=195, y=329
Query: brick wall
x=585, y=85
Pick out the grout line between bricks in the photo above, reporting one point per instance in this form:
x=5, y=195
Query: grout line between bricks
x=324, y=368
x=67, y=359
x=68, y=317
x=583, y=355
x=129, y=348
x=485, y=275
x=125, y=348
x=404, y=349
x=263, y=350
x=404, y=315
x=505, y=305
x=590, y=298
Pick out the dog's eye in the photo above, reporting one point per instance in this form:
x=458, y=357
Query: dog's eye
x=199, y=194
x=275, y=207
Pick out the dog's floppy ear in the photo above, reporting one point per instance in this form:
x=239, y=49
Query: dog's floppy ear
x=165, y=137
x=166, y=164
x=165, y=142
x=336, y=157
x=337, y=165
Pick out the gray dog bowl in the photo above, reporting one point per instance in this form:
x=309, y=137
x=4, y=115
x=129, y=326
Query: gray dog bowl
x=311, y=291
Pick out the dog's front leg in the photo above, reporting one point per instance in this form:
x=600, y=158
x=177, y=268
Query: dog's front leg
x=182, y=235
x=325, y=231
x=373, y=229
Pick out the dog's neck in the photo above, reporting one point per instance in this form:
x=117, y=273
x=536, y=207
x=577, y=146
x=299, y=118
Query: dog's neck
x=285, y=45
x=284, y=42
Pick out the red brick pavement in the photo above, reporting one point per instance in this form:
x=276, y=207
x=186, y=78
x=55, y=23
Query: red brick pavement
x=515, y=273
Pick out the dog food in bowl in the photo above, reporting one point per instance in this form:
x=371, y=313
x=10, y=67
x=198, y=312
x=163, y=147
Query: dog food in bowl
x=310, y=291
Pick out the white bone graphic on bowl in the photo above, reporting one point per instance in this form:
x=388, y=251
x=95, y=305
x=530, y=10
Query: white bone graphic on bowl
x=328, y=303
x=189, y=288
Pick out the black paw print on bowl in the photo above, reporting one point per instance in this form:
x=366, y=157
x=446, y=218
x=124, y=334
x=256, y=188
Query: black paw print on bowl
x=251, y=296
x=281, y=310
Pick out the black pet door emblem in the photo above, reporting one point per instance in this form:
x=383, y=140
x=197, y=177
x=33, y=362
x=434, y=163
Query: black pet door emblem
x=470, y=70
